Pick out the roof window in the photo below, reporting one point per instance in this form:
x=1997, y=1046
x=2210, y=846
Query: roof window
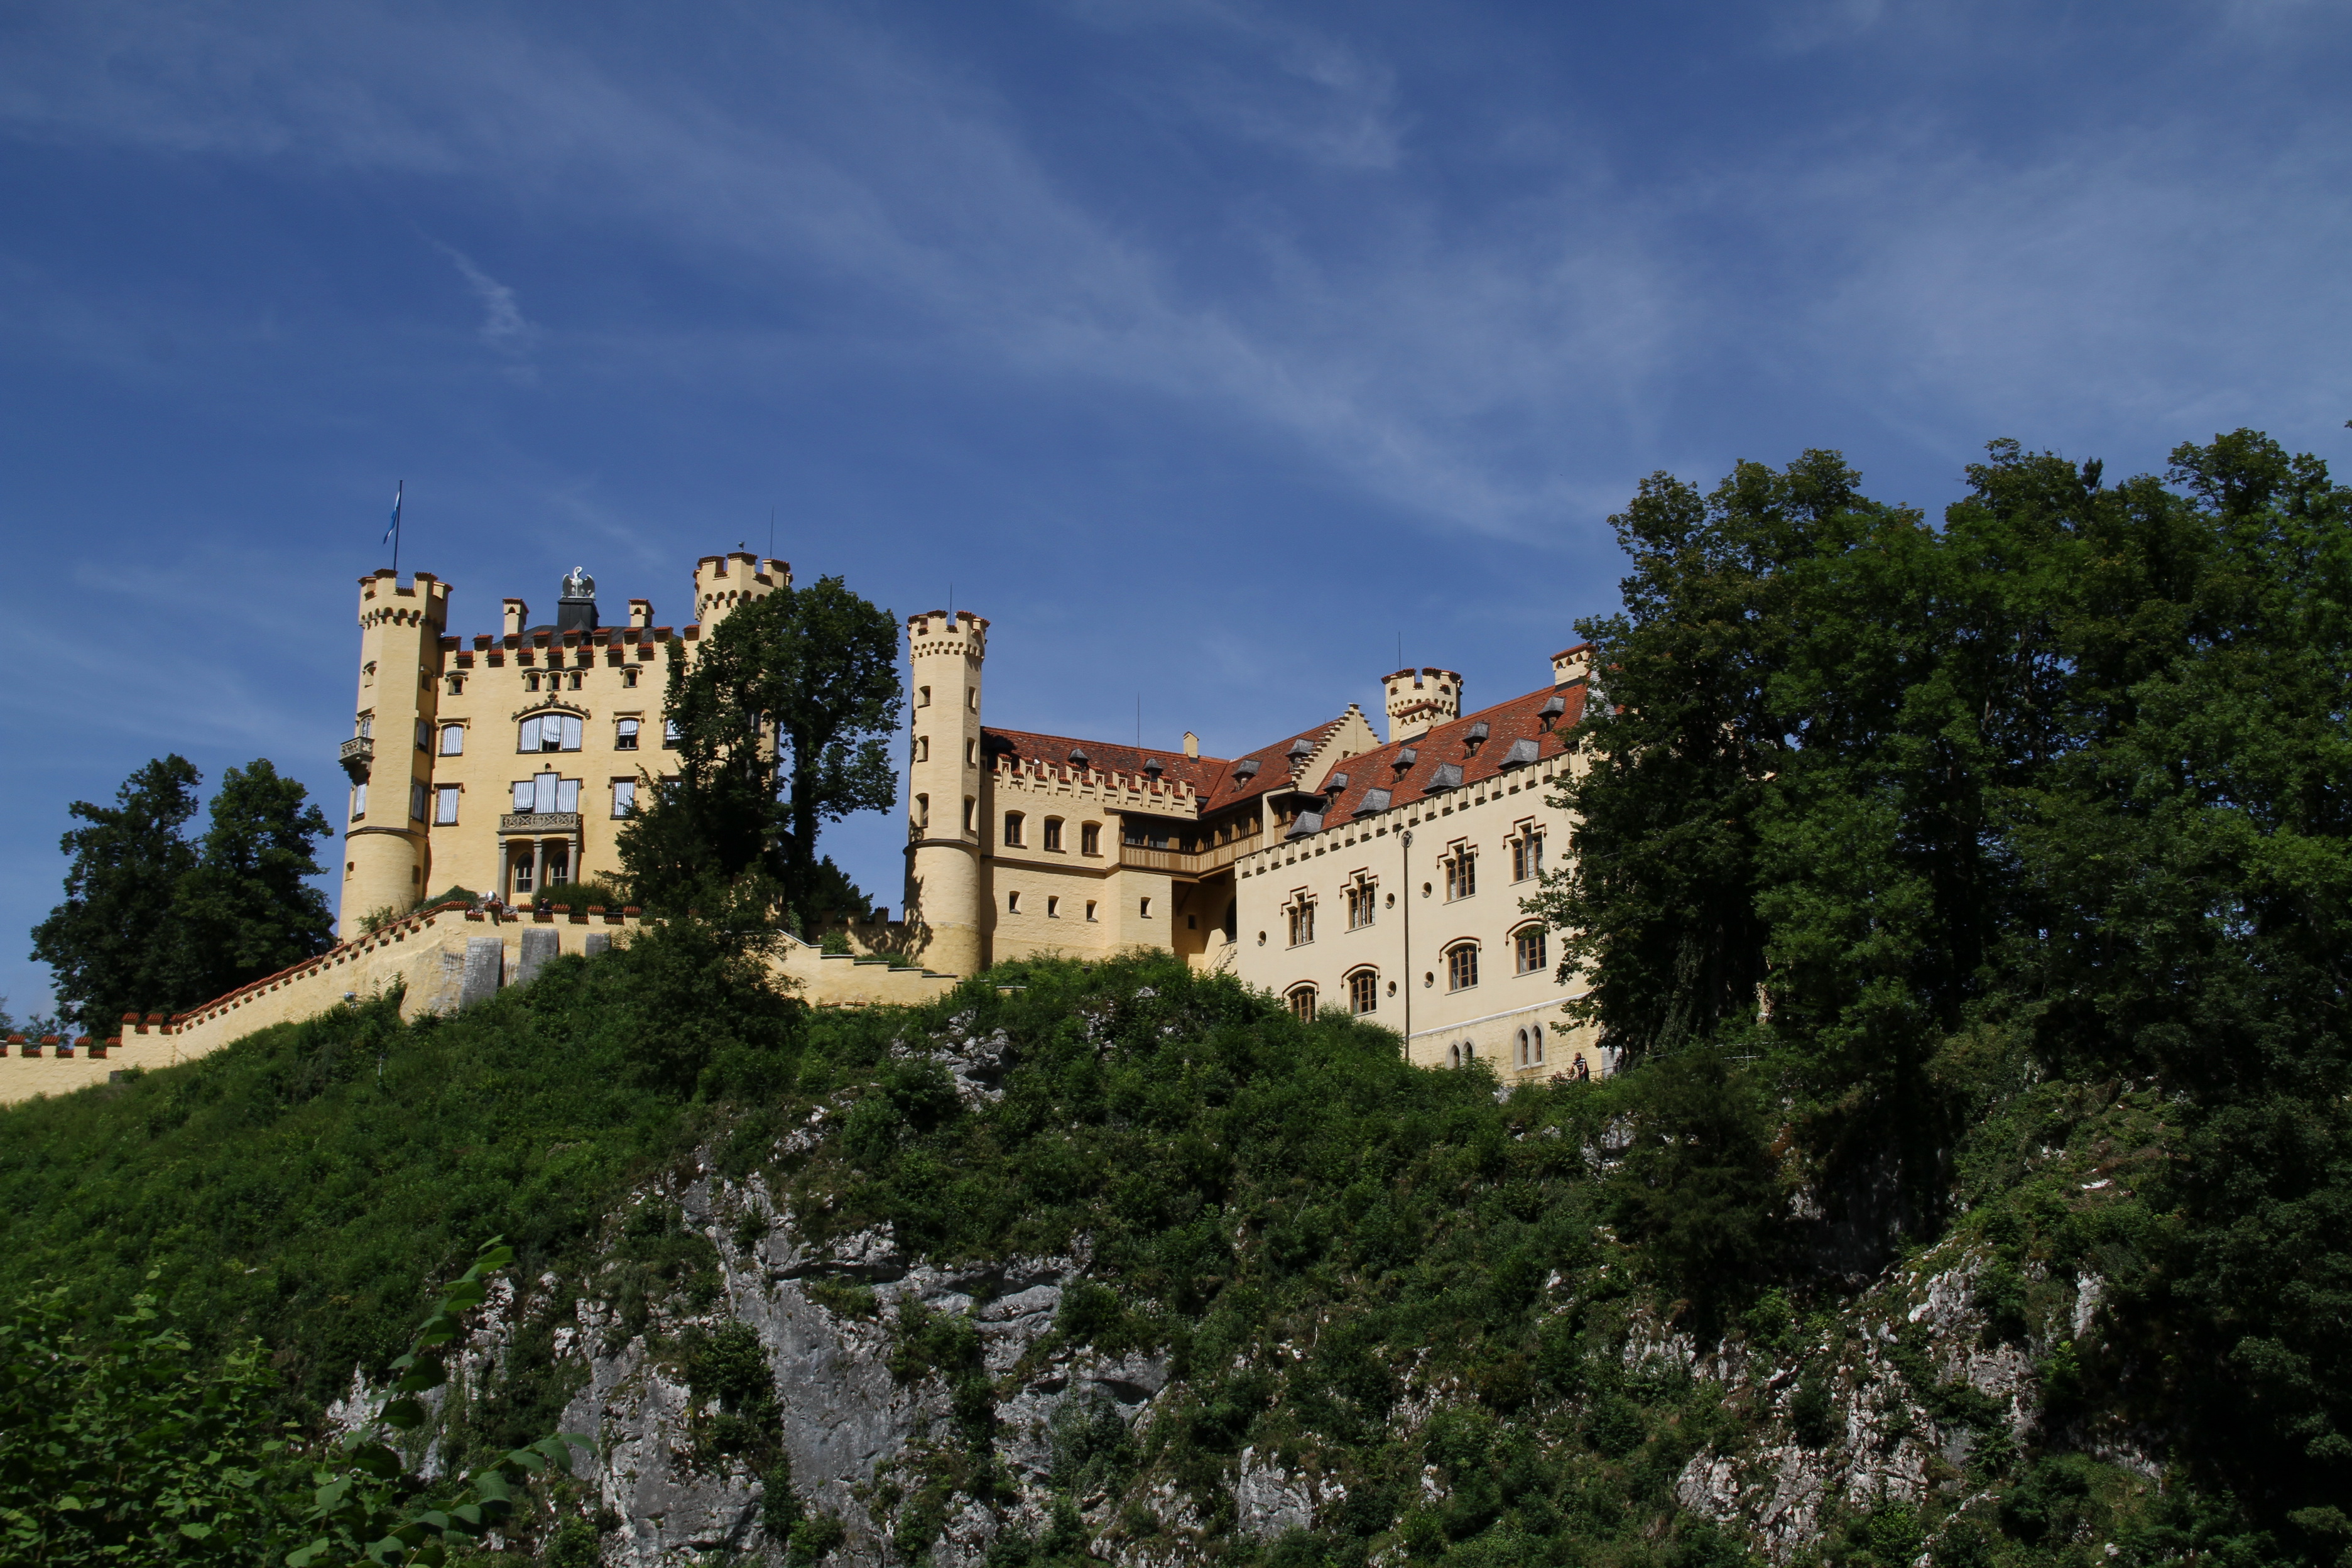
x=1554, y=706
x=1077, y=757
x=1406, y=758
x=1308, y=822
x=1447, y=776
x=1374, y=800
x=1521, y=755
x=1245, y=769
x=1477, y=733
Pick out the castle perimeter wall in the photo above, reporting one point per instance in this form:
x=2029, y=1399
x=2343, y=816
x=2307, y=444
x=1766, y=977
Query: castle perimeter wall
x=443, y=959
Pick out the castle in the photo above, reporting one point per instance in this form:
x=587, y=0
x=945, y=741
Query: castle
x=1335, y=866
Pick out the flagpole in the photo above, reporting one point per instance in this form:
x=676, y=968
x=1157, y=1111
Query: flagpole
x=398, y=492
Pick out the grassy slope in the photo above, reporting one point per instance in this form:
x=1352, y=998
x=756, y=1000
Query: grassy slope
x=1315, y=1231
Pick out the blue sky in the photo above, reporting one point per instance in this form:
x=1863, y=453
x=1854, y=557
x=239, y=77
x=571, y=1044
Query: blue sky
x=1207, y=349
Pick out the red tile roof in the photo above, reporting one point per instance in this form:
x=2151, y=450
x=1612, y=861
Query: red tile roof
x=1446, y=744
x=1213, y=778
x=1102, y=757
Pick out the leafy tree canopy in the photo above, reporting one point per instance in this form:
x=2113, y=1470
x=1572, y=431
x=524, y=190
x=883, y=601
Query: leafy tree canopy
x=152, y=922
x=1865, y=794
x=784, y=723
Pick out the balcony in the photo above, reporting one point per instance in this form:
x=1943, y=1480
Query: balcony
x=358, y=755
x=1183, y=863
x=540, y=823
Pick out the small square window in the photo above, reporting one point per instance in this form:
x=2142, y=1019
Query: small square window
x=1147, y=909
x=1053, y=909
x=1012, y=903
x=629, y=678
x=1090, y=903
x=625, y=735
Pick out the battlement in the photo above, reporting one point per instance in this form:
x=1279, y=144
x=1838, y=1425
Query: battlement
x=723, y=582
x=1068, y=781
x=934, y=634
x=1420, y=700
x=384, y=602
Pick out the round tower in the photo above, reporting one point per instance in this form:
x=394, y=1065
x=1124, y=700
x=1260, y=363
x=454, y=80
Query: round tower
x=1421, y=699
x=723, y=582
x=388, y=755
x=946, y=882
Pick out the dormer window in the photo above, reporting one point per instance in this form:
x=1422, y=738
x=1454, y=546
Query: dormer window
x=1153, y=767
x=1335, y=784
x=1549, y=713
x=1476, y=735
x=1406, y=758
x=1077, y=758
x=1245, y=770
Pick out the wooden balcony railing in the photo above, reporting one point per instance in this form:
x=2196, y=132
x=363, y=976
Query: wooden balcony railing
x=1184, y=863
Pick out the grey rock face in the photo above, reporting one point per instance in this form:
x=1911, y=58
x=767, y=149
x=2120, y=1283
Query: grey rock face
x=843, y=1414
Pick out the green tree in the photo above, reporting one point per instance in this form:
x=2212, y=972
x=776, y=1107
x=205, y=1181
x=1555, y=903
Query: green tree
x=783, y=721
x=127, y=1447
x=245, y=910
x=103, y=942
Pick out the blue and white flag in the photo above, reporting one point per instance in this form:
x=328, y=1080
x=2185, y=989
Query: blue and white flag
x=393, y=531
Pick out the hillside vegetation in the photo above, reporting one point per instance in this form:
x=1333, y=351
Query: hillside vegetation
x=1391, y=1278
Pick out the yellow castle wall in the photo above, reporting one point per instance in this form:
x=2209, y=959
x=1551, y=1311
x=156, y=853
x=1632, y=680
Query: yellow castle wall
x=424, y=955
x=1487, y=1016
x=411, y=672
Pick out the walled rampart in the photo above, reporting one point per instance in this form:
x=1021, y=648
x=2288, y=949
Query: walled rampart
x=441, y=958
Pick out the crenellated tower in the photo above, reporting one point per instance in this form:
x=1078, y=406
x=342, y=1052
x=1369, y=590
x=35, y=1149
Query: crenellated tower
x=386, y=861
x=1421, y=699
x=723, y=582
x=945, y=814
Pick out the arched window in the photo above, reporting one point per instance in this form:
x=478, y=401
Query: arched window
x=1454, y=1056
x=551, y=733
x=1528, y=946
x=922, y=811
x=1462, y=966
x=1302, y=1002
x=453, y=740
x=1524, y=1059
x=1539, y=1043
x=1364, y=991
x=1012, y=822
x=1054, y=833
